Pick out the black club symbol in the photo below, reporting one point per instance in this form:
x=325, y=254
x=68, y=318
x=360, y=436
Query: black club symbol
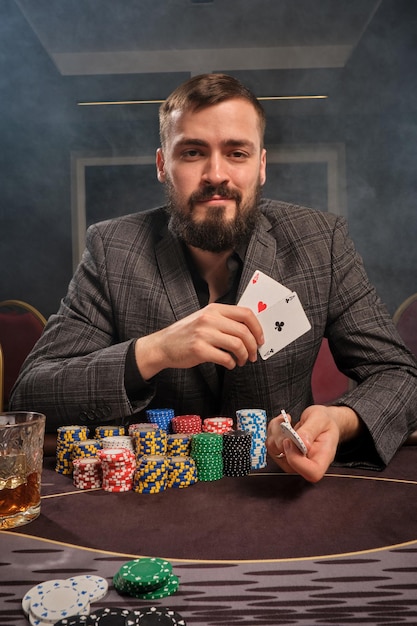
x=278, y=326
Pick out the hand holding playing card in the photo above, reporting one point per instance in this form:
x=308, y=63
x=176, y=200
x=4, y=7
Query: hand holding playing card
x=320, y=433
x=223, y=334
x=278, y=310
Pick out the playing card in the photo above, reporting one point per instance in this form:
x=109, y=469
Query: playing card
x=282, y=323
x=262, y=292
x=292, y=434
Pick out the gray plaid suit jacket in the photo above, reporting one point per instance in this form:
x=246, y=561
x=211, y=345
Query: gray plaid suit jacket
x=133, y=280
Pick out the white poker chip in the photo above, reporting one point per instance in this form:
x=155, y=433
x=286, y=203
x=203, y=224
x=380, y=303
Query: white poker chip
x=34, y=621
x=289, y=432
x=37, y=592
x=95, y=586
x=66, y=621
x=63, y=600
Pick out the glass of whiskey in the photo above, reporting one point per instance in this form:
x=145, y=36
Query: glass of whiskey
x=21, y=458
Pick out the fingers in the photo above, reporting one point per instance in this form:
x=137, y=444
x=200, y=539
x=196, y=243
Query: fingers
x=319, y=432
x=223, y=334
x=246, y=316
x=275, y=438
x=236, y=332
x=231, y=329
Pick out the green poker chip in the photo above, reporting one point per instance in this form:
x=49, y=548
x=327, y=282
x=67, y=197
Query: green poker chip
x=142, y=575
x=167, y=589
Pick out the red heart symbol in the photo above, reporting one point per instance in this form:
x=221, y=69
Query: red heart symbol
x=255, y=279
x=261, y=306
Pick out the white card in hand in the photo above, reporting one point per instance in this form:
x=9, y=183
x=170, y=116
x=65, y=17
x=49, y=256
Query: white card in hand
x=262, y=292
x=282, y=323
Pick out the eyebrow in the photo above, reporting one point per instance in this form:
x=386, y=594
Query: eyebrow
x=228, y=143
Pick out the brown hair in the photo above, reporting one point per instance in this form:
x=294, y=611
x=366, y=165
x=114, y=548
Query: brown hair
x=203, y=91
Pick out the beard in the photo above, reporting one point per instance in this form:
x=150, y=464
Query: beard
x=214, y=233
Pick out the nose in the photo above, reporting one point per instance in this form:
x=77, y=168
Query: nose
x=215, y=170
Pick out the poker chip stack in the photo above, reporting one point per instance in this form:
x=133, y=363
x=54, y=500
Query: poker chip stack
x=206, y=450
x=67, y=436
x=151, y=474
x=146, y=578
x=161, y=417
x=60, y=599
x=149, y=441
x=86, y=448
x=237, y=459
x=141, y=426
x=67, y=602
x=118, y=441
x=118, y=467
x=178, y=444
x=117, y=616
x=109, y=431
x=87, y=473
x=254, y=421
x=182, y=472
x=188, y=424
x=217, y=425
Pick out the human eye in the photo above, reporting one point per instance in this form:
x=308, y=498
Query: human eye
x=191, y=154
x=238, y=155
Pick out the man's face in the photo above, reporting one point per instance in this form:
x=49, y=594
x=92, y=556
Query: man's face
x=213, y=167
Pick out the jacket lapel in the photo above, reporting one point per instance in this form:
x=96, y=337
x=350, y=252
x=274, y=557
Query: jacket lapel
x=181, y=293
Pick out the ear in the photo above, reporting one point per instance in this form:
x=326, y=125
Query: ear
x=262, y=169
x=160, y=165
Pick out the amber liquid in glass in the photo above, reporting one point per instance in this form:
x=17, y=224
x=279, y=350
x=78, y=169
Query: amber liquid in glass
x=20, y=498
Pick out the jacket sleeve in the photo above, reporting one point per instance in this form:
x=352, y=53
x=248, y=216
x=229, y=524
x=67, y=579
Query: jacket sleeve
x=368, y=348
x=75, y=373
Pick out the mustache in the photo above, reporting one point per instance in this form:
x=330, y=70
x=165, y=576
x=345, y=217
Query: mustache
x=208, y=192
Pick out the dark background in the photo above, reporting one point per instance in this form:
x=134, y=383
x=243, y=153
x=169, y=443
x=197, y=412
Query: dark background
x=371, y=112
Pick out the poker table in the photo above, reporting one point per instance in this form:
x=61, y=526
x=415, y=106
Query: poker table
x=265, y=549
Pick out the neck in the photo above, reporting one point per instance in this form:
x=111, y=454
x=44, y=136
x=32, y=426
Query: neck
x=212, y=267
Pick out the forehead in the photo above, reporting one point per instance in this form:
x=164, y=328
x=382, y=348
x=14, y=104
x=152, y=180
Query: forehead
x=234, y=119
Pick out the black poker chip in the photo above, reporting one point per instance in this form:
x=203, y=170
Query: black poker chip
x=159, y=616
x=75, y=620
x=112, y=617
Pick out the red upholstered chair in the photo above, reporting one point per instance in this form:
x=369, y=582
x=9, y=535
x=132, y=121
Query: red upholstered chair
x=328, y=383
x=405, y=319
x=21, y=325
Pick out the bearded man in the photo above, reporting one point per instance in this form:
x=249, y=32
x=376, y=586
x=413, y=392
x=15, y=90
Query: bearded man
x=151, y=317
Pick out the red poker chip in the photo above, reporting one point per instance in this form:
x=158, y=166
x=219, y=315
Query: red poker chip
x=115, y=454
x=186, y=424
x=116, y=489
x=82, y=472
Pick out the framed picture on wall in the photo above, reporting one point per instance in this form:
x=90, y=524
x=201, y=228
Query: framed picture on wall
x=107, y=186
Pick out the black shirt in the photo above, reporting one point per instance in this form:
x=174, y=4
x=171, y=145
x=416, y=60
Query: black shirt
x=132, y=379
